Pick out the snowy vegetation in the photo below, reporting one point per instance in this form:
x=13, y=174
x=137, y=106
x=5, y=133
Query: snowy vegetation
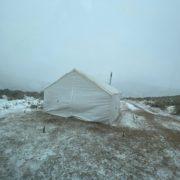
x=164, y=103
x=19, y=105
x=17, y=94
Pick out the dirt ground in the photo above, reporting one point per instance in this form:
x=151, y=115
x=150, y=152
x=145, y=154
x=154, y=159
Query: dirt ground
x=74, y=149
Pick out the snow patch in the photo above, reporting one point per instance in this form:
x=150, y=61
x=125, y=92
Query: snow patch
x=19, y=105
x=171, y=109
x=164, y=173
x=133, y=121
x=124, y=105
x=46, y=154
x=171, y=125
x=121, y=156
x=152, y=110
x=175, y=155
x=131, y=107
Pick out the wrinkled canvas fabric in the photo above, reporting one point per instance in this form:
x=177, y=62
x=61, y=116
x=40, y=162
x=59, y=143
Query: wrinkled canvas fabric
x=79, y=96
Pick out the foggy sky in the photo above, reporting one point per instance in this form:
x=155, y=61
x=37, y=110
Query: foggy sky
x=40, y=40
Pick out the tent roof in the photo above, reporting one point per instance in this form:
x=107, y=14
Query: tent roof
x=109, y=89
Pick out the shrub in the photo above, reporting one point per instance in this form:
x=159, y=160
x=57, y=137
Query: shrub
x=17, y=94
x=159, y=104
x=33, y=106
x=177, y=109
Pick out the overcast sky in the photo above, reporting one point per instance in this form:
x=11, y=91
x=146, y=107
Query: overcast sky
x=139, y=40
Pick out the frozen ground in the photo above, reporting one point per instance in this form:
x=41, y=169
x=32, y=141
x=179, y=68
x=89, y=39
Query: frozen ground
x=139, y=145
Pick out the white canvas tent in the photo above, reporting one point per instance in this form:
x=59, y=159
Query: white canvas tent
x=78, y=95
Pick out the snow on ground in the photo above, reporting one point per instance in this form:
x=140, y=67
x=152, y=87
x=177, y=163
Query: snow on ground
x=146, y=107
x=125, y=105
x=137, y=115
x=73, y=149
x=129, y=117
x=169, y=123
x=133, y=121
x=131, y=107
x=171, y=109
x=153, y=110
x=172, y=125
x=19, y=105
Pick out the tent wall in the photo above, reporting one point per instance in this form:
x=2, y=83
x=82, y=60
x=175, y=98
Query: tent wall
x=75, y=95
x=58, y=96
x=115, y=106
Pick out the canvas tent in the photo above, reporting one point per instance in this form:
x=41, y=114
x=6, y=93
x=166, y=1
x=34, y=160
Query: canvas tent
x=79, y=95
